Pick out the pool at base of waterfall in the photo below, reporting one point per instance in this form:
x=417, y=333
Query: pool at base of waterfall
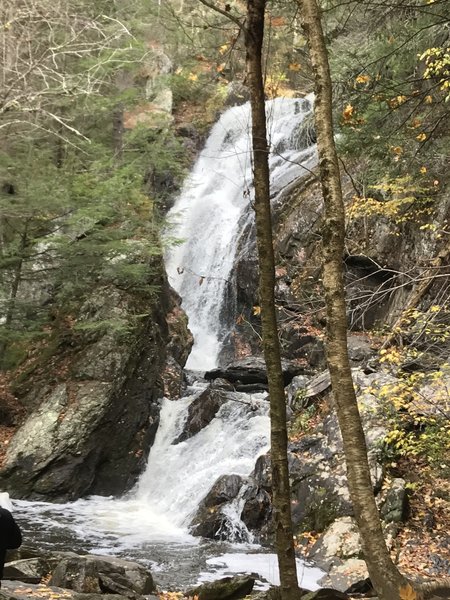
x=177, y=560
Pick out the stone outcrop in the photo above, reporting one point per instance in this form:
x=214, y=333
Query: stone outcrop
x=93, y=404
x=251, y=371
x=210, y=520
x=317, y=468
x=76, y=577
x=201, y=412
x=227, y=588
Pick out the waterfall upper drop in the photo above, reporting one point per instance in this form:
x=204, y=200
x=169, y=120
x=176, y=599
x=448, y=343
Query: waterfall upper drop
x=215, y=205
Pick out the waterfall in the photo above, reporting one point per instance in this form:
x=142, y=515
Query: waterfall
x=211, y=212
x=179, y=476
x=151, y=522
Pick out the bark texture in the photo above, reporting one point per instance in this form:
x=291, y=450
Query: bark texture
x=254, y=34
x=385, y=576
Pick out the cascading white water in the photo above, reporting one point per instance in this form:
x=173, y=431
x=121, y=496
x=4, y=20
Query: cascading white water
x=151, y=522
x=178, y=476
x=207, y=215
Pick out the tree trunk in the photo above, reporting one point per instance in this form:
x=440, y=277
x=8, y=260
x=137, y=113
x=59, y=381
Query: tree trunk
x=385, y=576
x=254, y=34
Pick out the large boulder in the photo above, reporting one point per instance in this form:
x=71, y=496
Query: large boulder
x=11, y=590
x=85, y=576
x=210, y=520
x=252, y=370
x=93, y=403
x=227, y=588
x=98, y=574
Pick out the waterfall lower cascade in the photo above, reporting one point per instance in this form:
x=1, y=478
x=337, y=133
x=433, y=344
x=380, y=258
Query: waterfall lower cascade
x=215, y=206
x=151, y=523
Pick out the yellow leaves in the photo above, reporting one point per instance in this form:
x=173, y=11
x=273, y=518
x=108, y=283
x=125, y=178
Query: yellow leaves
x=223, y=48
x=348, y=112
x=391, y=355
x=193, y=77
x=295, y=67
x=428, y=99
x=423, y=170
x=363, y=79
x=421, y=137
x=256, y=310
x=397, y=150
x=397, y=101
x=171, y=596
x=407, y=592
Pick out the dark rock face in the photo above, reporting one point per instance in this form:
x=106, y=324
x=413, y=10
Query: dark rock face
x=93, y=575
x=257, y=509
x=393, y=508
x=326, y=594
x=210, y=521
x=227, y=588
x=201, y=412
x=252, y=370
x=87, y=577
x=90, y=428
x=225, y=489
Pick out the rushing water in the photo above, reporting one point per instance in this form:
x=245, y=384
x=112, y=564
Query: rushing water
x=150, y=523
x=213, y=209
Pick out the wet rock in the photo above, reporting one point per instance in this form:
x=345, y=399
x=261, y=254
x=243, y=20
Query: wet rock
x=95, y=574
x=210, y=520
x=226, y=488
x=326, y=594
x=393, y=507
x=252, y=370
x=212, y=524
x=227, y=588
x=222, y=384
x=257, y=509
x=174, y=380
x=201, y=412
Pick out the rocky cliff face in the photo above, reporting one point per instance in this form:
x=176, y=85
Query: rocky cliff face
x=386, y=259
x=93, y=403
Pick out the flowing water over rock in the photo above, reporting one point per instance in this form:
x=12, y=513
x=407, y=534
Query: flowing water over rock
x=150, y=524
x=215, y=206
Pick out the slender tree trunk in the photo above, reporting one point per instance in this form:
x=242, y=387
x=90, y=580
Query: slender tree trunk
x=385, y=576
x=280, y=474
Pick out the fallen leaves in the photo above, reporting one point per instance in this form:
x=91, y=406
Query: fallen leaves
x=407, y=592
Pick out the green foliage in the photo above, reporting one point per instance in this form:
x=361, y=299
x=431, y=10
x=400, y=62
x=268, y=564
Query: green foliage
x=391, y=86
x=418, y=408
x=399, y=200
